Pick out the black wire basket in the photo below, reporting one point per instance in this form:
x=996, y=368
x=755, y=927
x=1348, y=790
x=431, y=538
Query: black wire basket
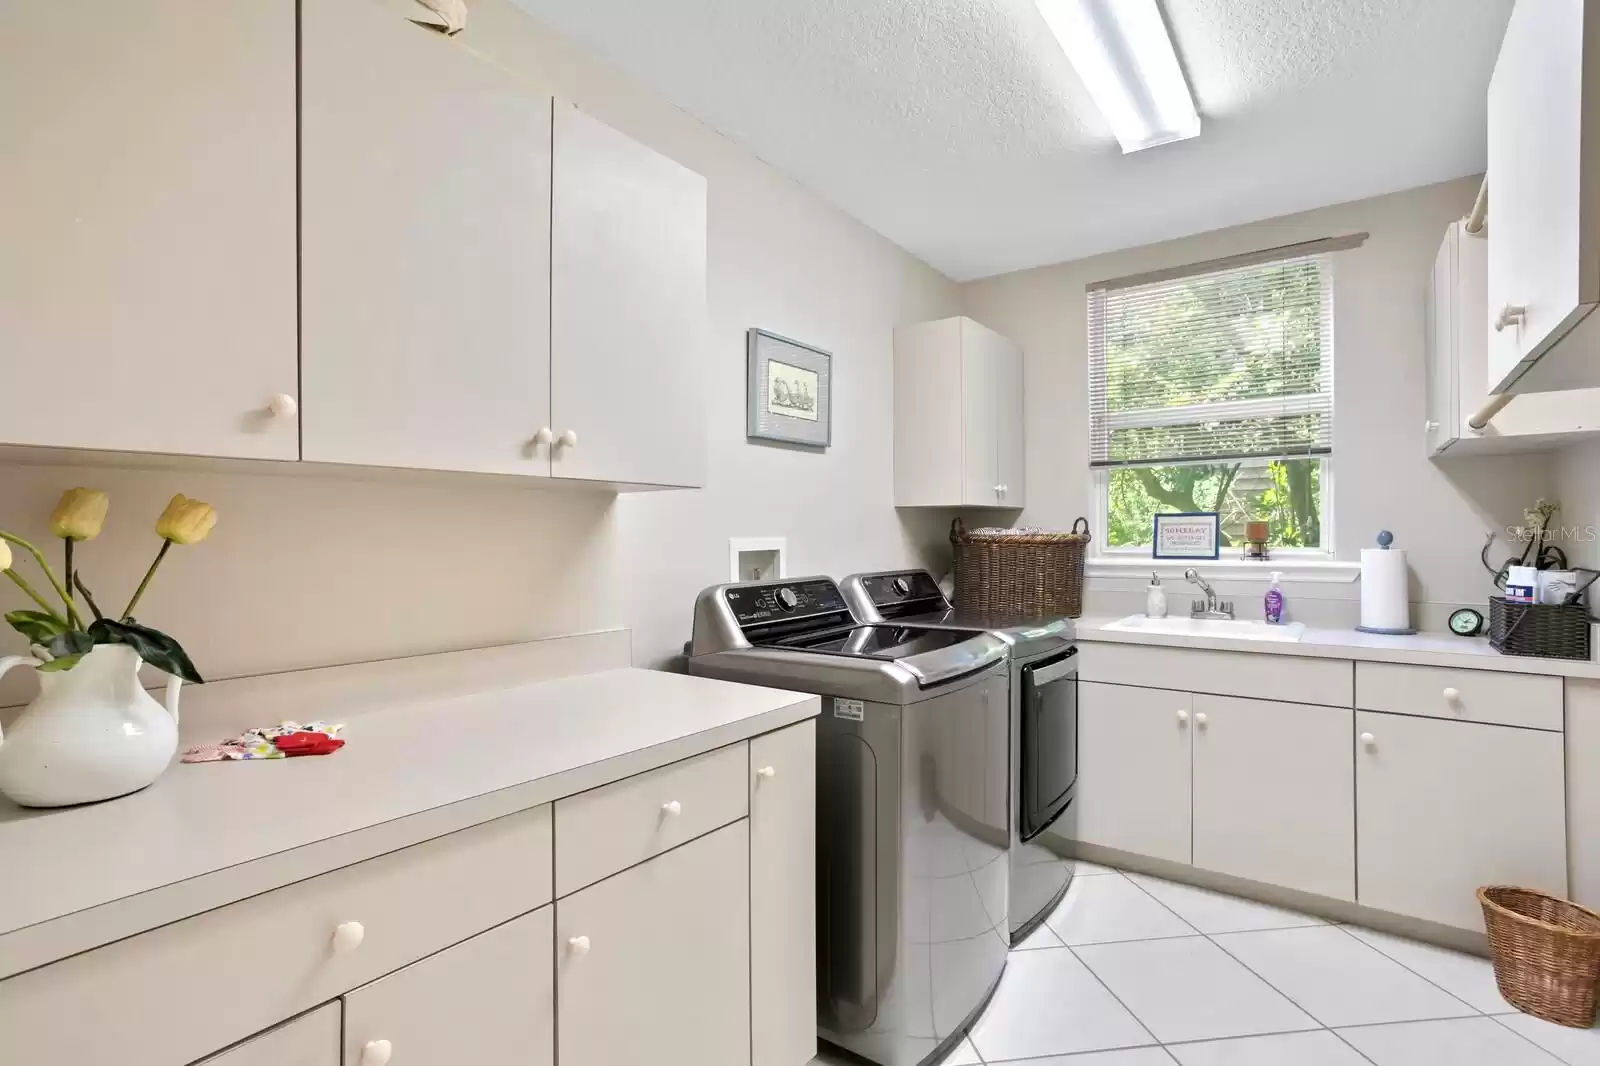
x=1541, y=629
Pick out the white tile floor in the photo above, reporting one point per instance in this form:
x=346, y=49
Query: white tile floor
x=1135, y=971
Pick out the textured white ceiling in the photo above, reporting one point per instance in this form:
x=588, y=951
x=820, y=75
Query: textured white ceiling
x=958, y=129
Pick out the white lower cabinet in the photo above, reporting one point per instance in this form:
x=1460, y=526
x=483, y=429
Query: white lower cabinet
x=653, y=964
x=1445, y=807
x=783, y=896
x=486, y=1000
x=1273, y=792
x=309, y=1040
x=1134, y=769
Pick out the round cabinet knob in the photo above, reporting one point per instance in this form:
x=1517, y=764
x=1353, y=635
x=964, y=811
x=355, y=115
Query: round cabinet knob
x=1200, y=719
x=569, y=439
x=544, y=436
x=347, y=936
x=1369, y=741
x=283, y=406
x=1183, y=716
x=767, y=772
x=672, y=807
x=1452, y=696
x=578, y=945
x=376, y=1052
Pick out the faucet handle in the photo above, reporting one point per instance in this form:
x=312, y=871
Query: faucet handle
x=1226, y=607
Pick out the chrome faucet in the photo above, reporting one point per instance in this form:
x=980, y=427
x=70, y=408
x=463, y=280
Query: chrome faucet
x=1208, y=607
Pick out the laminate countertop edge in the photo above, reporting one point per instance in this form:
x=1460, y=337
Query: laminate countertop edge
x=1421, y=649
x=66, y=889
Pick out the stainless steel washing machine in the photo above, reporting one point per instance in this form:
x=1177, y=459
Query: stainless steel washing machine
x=913, y=828
x=1043, y=724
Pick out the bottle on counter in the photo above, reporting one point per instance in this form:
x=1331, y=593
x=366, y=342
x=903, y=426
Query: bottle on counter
x=1155, y=598
x=1274, y=602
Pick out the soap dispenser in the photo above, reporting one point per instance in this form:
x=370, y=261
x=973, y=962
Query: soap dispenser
x=1155, y=598
x=1274, y=604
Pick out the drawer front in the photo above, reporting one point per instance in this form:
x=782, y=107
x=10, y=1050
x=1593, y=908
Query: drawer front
x=241, y=968
x=310, y=1040
x=1254, y=675
x=1527, y=700
x=616, y=826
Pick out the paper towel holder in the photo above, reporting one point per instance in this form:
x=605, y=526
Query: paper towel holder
x=1385, y=539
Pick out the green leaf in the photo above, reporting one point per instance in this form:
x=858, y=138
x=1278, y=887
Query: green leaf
x=66, y=662
x=38, y=627
x=69, y=644
x=153, y=646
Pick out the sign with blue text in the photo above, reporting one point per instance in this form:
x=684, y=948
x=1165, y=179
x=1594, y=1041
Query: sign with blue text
x=1191, y=535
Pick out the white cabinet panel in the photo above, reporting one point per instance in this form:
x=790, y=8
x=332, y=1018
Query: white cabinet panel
x=783, y=896
x=653, y=965
x=425, y=244
x=628, y=308
x=980, y=416
x=310, y=1040
x=1445, y=807
x=1134, y=769
x=1583, y=788
x=486, y=1000
x=1485, y=696
x=147, y=244
x=1274, y=797
x=1008, y=429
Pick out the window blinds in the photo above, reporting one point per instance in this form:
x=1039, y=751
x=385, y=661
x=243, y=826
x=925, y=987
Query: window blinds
x=1229, y=364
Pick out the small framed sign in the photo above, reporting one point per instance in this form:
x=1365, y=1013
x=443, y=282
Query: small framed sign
x=1191, y=535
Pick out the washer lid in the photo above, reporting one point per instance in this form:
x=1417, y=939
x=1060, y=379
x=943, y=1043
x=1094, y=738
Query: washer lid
x=931, y=655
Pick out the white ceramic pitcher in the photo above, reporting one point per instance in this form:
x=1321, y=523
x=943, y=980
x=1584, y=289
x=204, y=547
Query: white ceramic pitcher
x=93, y=732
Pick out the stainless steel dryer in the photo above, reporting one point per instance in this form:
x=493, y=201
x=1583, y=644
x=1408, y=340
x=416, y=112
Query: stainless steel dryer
x=912, y=806
x=1043, y=724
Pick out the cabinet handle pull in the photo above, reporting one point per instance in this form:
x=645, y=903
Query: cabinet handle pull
x=767, y=771
x=1183, y=716
x=544, y=436
x=569, y=439
x=1452, y=696
x=1200, y=719
x=1369, y=741
x=1430, y=425
x=347, y=936
x=578, y=945
x=1508, y=314
x=283, y=406
x=672, y=807
x=376, y=1052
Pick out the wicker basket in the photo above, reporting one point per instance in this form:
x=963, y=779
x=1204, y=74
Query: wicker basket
x=1546, y=953
x=1542, y=629
x=1010, y=571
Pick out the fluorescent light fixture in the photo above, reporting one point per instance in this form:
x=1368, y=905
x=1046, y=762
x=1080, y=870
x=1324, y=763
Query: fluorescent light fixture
x=1121, y=50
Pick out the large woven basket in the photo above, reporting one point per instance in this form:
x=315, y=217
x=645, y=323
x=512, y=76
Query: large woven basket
x=1019, y=571
x=1546, y=953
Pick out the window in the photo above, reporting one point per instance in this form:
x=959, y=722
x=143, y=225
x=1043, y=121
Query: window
x=1213, y=391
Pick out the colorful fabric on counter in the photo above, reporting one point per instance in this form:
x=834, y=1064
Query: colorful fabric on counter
x=272, y=742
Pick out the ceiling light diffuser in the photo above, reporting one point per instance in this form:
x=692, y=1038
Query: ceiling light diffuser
x=1121, y=50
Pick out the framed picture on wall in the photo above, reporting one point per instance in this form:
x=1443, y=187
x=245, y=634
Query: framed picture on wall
x=789, y=390
x=1190, y=535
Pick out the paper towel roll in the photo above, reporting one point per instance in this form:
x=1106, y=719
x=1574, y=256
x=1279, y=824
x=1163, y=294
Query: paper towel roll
x=1385, y=603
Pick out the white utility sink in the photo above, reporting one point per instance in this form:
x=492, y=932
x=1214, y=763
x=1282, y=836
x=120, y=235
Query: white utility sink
x=1209, y=627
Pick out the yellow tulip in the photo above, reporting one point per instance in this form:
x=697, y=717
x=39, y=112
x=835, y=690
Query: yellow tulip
x=5, y=556
x=186, y=521
x=80, y=514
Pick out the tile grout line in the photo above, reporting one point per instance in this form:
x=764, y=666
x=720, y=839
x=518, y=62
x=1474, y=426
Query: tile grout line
x=1136, y=1019
x=1496, y=1019
x=1407, y=969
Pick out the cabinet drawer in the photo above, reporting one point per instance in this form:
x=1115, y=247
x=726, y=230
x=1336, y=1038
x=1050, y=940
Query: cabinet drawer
x=1254, y=675
x=241, y=968
x=1527, y=700
x=312, y=1040
x=616, y=826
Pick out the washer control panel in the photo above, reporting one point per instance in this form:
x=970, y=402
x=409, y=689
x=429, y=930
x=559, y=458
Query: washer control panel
x=888, y=590
x=753, y=605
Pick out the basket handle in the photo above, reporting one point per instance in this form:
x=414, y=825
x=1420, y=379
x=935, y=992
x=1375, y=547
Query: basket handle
x=958, y=530
x=1085, y=522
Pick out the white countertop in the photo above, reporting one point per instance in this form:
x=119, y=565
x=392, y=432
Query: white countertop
x=1423, y=649
x=206, y=834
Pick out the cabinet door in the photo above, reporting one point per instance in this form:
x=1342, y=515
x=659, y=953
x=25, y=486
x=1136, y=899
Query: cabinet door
x=653, y=964
x=1443, y=422
x=1008, y=424
x=147, y=245
x=1543, y=252
x=628, y=308
x=310, y=1040
x=486, y=1000
x=1134, y=769
x=783, y=896
x=1444, y=807
x=1274, y=794
x=425, y=230
x=980, y=410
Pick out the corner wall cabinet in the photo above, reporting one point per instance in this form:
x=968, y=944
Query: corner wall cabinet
x=148, y=242
x=1423, y=785
x=1544, y=203
x=958, y=416
x=680, y=947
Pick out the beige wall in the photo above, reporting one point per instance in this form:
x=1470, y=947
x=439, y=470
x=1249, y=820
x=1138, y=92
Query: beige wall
x=1382, y=476
x=311, y=568
x=1577, y=486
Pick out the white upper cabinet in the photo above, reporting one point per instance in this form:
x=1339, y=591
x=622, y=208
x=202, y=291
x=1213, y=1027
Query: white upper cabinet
x=628, y=309
x=1544, y=199
x=958, y=424
x=425, y=244
x=147, y=242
